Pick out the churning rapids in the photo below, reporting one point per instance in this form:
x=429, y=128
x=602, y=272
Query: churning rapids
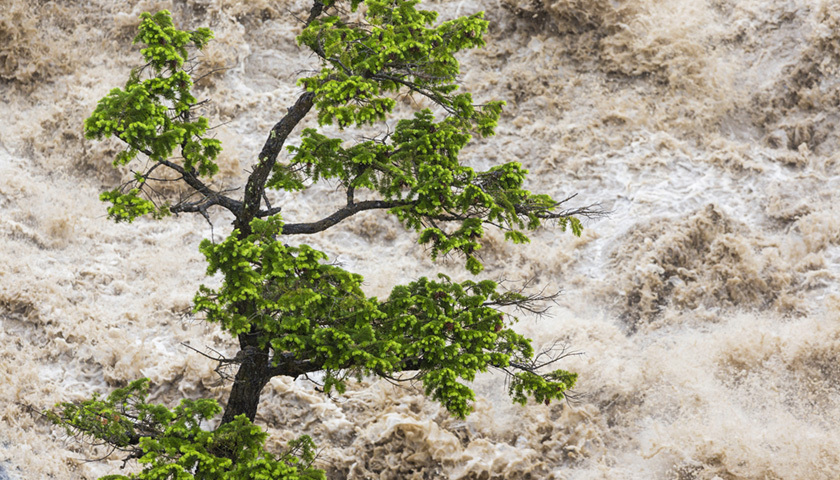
x=706, y=306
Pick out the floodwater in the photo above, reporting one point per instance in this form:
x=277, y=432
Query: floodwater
x=705, y=307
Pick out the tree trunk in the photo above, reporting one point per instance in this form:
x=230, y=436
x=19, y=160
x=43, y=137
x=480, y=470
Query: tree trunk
x=252, y=376
x=255, y=366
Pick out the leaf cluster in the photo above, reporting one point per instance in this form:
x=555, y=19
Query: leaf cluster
x=397, y=46
x=152, y=115
x=172, y=444
x=419, y=174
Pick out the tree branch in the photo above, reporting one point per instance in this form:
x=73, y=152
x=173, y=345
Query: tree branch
x=215, y=198
x=347, y=211
x=314, y=12
x=590, y=211
x=268, y=157
x=290, y=366
x=255, y=188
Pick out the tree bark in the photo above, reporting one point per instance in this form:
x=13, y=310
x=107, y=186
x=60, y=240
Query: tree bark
x=255, y=188
x=250, y=379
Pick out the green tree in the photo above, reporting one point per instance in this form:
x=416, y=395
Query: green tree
x=292, y=312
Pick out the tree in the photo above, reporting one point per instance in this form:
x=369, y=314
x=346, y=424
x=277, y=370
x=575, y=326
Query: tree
x=292, y=312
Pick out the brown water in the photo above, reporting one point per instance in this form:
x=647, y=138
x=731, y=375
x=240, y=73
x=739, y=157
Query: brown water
x=706, y=306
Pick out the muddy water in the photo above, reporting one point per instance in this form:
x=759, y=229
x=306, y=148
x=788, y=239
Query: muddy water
x=705, y=306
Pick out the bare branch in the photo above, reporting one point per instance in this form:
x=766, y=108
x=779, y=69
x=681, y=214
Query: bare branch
x=338, y=216
x=190, y=177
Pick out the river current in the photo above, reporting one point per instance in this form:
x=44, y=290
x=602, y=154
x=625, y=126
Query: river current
x=705, y=307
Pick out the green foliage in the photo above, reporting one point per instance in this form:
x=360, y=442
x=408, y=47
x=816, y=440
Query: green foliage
x=296, y=302
x=398, y=51
x=153, y=116
x=171, y=443
x=125, y=207
x=395, y=48
x=420, y=171
x=451, y=331
x=542, y=388
x=448, y=331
